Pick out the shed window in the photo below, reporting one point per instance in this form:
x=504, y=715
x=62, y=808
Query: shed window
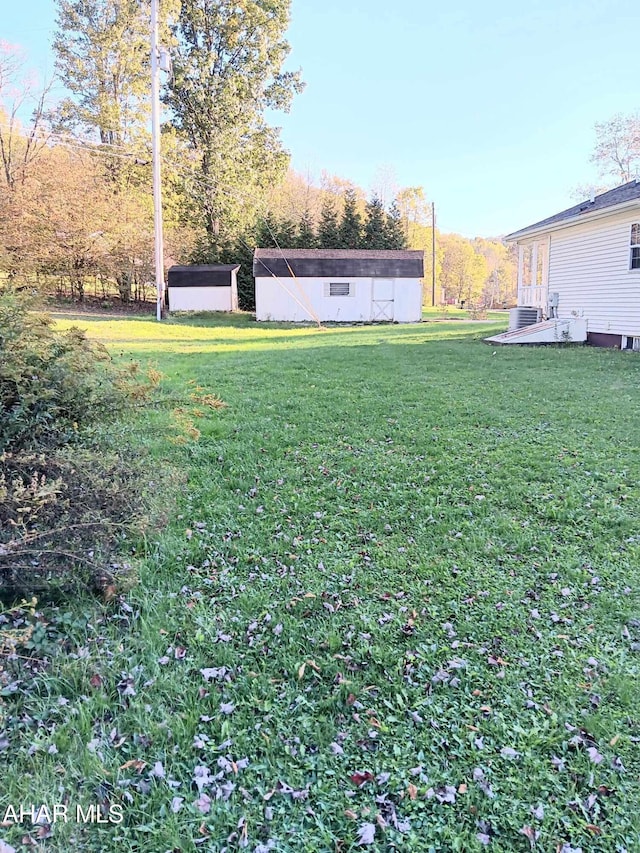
x=343, y=288
x=635, y=246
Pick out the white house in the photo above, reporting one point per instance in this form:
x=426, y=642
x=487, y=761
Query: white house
x=338, y=285
x=579, y=274
x=211, y=287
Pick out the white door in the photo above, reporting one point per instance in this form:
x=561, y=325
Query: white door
x=382, y=299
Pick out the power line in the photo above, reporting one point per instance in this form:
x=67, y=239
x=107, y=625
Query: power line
x=51, y=139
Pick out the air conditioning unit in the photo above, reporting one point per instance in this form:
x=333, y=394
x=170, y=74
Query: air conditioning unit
x=521, y=317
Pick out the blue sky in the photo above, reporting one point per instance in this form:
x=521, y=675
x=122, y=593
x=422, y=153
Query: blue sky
x=488, y=105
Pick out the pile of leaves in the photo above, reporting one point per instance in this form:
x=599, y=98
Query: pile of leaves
x=65, y=502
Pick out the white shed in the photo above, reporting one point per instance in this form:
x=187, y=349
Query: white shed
x=338, y=285
x=211, y=287
x=579, y=274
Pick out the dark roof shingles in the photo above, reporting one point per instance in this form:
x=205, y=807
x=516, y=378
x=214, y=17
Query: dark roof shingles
x=324, y=263
x=201, y=275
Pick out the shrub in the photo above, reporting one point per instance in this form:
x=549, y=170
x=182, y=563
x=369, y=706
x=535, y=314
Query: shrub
x=51, y=383
x=478, y=312
x=65, y=507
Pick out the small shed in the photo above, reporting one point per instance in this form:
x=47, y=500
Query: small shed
x=208, y=287
x=338, y=285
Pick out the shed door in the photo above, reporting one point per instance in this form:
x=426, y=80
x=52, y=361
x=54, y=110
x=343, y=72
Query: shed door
x=382, y=307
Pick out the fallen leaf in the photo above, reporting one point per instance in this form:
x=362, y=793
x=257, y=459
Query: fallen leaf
x=594, y=755
x=531, y=833
x=366, y=833
x=158, y=770
x=300, y=794
x=509, y=752
x=412, y=791
x=135, y=763
x=593, y=829
x=446, y=794
x=617, y=764
x=359, y=778
x=202, y=776
x=203, y=804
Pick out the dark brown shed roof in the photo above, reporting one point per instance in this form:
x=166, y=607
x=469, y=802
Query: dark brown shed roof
x=327, y=263
x=201, y=275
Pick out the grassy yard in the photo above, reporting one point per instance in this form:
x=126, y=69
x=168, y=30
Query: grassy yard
x=394, y=605
x=452, y=312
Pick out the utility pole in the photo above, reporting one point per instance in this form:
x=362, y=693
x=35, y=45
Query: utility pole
x=433, y=254
x=155, y=145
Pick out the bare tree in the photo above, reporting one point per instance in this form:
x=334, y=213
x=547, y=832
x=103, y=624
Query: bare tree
x=20, y=145
x=617, y=149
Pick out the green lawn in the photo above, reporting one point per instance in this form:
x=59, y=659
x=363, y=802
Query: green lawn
x=452, y=312
x=394, y=607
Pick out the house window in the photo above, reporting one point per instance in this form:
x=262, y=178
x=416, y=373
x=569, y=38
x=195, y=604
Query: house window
x=343, y=288
x=635, y=246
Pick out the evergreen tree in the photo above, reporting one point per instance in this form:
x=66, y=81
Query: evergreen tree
x=306, y=236
x=241, y=252
x=263, y=237
x=328, y=229
x=395, y=235
x=270, y=234
x=375, y=233
x=286, y=233
x=350, y=230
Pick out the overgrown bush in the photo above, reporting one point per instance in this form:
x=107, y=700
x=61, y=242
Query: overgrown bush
x=52, y=382
x=64, y=506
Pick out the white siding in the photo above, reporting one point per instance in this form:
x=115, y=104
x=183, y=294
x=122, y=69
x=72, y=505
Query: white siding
x=298, y=300
x=589, y=268
x=408, y=300
x=203, y=298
